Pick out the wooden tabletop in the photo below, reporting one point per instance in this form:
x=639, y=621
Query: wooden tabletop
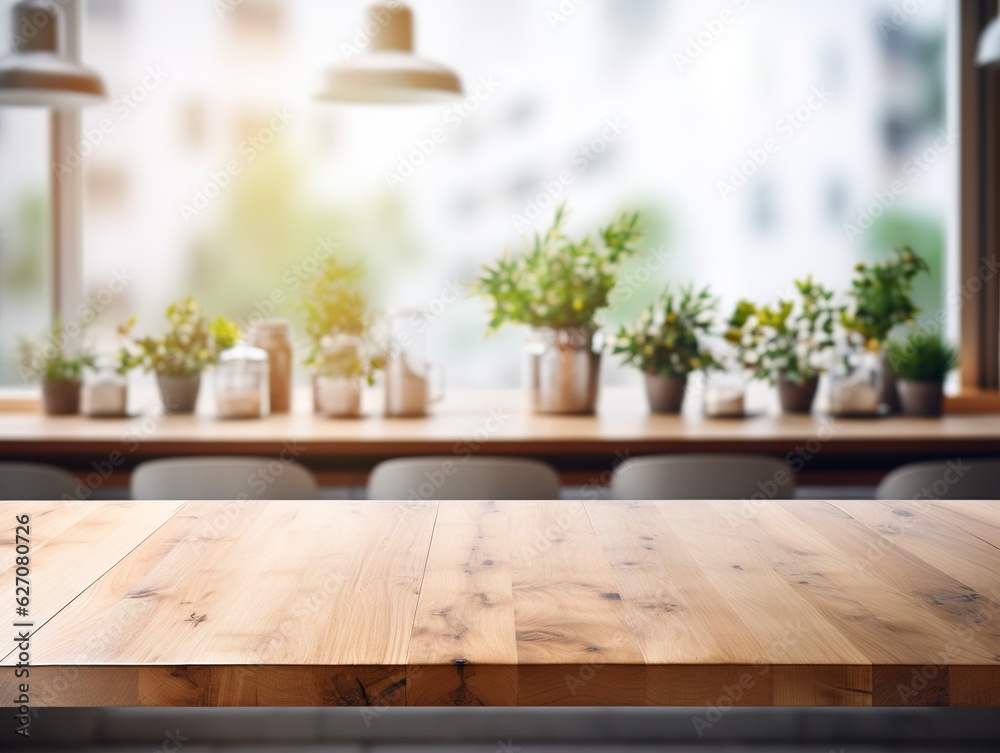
x=509, y=603
x=497, y=422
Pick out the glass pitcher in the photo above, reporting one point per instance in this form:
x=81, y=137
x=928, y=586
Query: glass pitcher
x=412, y=382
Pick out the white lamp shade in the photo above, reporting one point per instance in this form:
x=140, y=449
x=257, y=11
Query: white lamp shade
x=988, y=53
x=388, y=72
x=35, y=74
x=390, y=77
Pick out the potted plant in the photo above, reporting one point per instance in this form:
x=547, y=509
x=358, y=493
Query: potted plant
x=338, y=320
x=190, y=345
x=59, y=366
x=664, y=344
x=783, y=344
x=557, y=288
x=921, y=363
x=879, y=302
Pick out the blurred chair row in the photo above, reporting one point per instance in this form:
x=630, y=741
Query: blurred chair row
x=677, y=477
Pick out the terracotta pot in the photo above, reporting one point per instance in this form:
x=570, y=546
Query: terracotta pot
x=179, y=393
x=665, y=393
x=61, y=397
x=921, y=398
x=797, y=397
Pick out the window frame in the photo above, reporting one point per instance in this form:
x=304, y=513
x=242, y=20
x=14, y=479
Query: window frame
x=979, y=202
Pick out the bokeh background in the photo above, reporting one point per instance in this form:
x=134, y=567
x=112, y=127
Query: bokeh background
x=692, y=87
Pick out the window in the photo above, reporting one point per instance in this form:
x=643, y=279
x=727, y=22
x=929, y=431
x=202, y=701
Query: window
x=761, y=141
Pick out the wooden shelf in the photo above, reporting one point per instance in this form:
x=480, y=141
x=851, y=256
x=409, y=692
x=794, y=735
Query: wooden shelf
x=496, y=422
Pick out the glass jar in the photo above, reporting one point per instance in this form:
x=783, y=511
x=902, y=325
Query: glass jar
x=726, y=394
x=412, y=382
x=105, y=392
x=275, y=337
x=856, y=384
x=242, y=382
x=337, y=385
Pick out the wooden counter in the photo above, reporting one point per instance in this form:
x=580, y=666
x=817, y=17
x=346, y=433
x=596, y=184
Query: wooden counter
x=510, y=603
x=496, y=422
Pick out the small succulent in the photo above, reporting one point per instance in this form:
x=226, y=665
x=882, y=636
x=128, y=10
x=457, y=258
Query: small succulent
x=922, y=357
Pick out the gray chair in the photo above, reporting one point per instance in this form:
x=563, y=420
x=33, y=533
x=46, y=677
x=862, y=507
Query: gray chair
x=943, y=479
x=222, y=478
x=35, y=482
x=463, y=477
x=703, y=477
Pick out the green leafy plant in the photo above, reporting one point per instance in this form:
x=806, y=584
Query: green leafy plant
x=53, y=358
x=558, y=282
x=190, y=345
x=922, y=357
x=129, y=356
x=338, y=319
x=665, y=339
x=786, y=339
x=880, y=297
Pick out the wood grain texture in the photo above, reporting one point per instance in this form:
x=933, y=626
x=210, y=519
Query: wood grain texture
x=515, y=603
x=466, y=611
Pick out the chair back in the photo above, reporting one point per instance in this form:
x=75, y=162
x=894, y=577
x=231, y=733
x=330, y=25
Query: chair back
x=703, y=477
x=457, y=477
x=943, y=479
x=35, y=482
x=222, y=478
